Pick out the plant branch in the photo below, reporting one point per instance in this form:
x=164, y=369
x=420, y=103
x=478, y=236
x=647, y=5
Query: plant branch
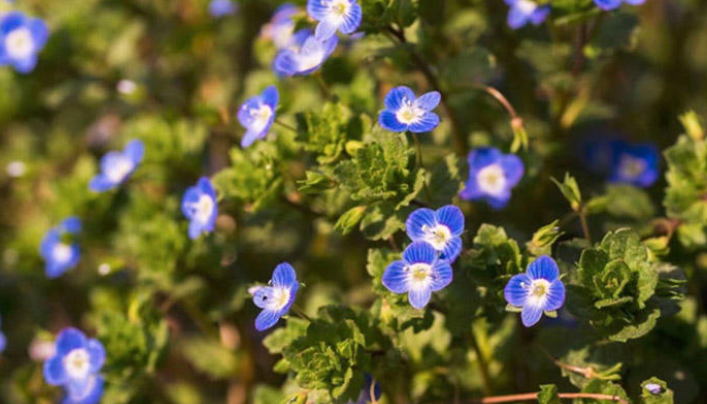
x=534, y=396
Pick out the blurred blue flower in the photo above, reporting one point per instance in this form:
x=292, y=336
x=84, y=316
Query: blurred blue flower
x=3, y=339
x=21, y=39
x=523, y=12
x=221, y=8
x=441, y=229
x=257, y=115
x=58, y=249
x=281, y=27
x=404, y=111
x=199, y=205
x=116, y=166
x=333, y=15
x=536, y=291
x=365, y=396
x=75, y=366
x=614, y=4
x=277, y=298
x=305, y=55
x=492, y=176
x=634, y=164
x=418, y=274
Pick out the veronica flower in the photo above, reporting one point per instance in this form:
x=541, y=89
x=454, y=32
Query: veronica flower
x=117, y=166
x=75, y=366
x=635, y=164
x=59, y=251
x=200, y=207
x=3, y=340
x=523, y=12
x=333, y=15
x=418, y=274
x=614, y=4
x=21, y=39
x=492, y=175
x=257, y=115
x=403, y=111
x=220, y=8
x=536, y=291
x=441, y=229
x=305, y=55
x=281, y=27
x=276, y=298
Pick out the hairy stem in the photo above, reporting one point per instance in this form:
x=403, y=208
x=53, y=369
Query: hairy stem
x=534, y=396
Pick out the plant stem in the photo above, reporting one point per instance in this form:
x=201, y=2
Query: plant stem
x=323, y=85
x=286, y=126
x=585, y=226
x=300, y=313
x=534, y=396
x=483, y=366
x=418, y=149
x=398, y=36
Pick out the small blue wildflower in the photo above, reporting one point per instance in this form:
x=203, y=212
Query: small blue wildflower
x=75, y=366
x=492, y=176
x=3, y=339
x=200, y=207
x=21, y=39
x=441, y=229
x=536, y=291
x=654, y=388
x=281, y=27
x=608, y=5
x=221, y=8
x=634, y=164
x=116, y=166
x=304, y=56
x=404, y=111
x=523, y=12
x=277, y=298
x=418, y=274
x=257, y=115
x=59, y=250
x=333, y=15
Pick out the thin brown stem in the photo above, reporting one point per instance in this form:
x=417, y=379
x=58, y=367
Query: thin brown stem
x=534, y=396
x=585, y=225
x=421, y=164
x=286, y=126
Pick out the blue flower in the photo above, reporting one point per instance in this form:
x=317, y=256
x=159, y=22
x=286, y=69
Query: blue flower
x=441, y=229
x=523, y=12
x=634, y=164
x=277, y=298
x=59, y=250
x=305, y=55
x=536, y=291
x=75, y=366
x=21, y=39
x=200, y=207
x=614, y=4
x=257, y=115
x=3, y=339
x=333, y=15
x=281, y=27
x=365, y=396
x=492, y=175
x=418, y=274
x=116, y=167
x=403, y=111
x=220, y=8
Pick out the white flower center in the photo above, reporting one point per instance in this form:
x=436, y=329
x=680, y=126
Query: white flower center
x=526, y=6
x=280, y=298
x=120, y=168
x=203, y=208
x=77, y=363
x=631, y=167
x=419, y=275
x=491, y=179
x=437, y=236
x=61, y=252
x=261, y=117
x=339, y=8
x=538, y=289
x=408, y=113
x=19, y=43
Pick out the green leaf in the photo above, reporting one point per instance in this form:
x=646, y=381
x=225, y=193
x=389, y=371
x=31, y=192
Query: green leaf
x=210, y=357
x=548, y=394
x=315, y=183
x=544, y=238
x=570, y=190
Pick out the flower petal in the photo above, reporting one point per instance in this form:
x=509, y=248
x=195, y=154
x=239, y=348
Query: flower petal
x=352, y=20
x=285, y=63
x=517, y=17
x=325, y=29
x=419, y=297
x=513, y=169
x=97, y=354
x=418, y=219
x=452, y=217
x=135, y=150
x=429, y=101
x=54, y=371
x=68, y=340
x=266, y=319
x=284, y=275
x=263, y=295
x=388, y=121
x=452, y=249
x=420, y=251
x=516, y=292
x=425, y=123
x=442, y=275
x=101, y=183
x=395, y=277
x=482, y=157
x=544, y=267
x=394, y=99
x=607, y=5
x=317, y=9
x=531, y=314
x=555, y=296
